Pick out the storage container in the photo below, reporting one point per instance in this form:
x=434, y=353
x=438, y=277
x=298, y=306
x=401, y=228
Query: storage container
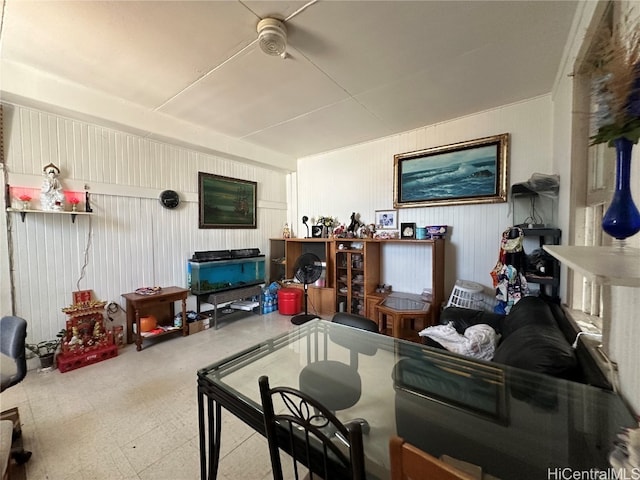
x=290, y=301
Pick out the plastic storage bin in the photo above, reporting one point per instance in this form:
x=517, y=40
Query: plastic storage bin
x=290, y=301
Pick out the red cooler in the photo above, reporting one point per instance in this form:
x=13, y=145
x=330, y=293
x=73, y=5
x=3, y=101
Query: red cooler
x=290, y=301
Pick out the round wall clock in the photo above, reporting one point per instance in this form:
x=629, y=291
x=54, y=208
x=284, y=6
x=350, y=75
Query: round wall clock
x=169, y=199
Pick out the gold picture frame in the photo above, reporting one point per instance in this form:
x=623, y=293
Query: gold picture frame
x=473, y=171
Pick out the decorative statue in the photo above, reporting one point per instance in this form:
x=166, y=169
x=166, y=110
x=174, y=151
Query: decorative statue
x=286, y=232
x=355, y=223
x=52, y=196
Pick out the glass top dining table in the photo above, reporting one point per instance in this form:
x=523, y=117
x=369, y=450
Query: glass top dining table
x=511, y=423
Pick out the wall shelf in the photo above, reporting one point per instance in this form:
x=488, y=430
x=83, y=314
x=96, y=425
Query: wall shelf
x=601, y=265
x=23, y=213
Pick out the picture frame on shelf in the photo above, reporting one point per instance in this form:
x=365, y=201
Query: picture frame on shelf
x=386, y=219
x=225, y=202
x=473, y=171
x=408, y=231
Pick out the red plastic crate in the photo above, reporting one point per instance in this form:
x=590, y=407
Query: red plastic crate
x=71, y=362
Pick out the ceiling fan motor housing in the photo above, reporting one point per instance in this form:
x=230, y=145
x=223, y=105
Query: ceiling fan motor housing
x=272, y=36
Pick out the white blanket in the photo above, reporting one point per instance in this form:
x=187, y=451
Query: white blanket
x=478, y=341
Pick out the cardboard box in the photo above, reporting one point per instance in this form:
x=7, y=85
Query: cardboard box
x=199, y=325
x=195, y=327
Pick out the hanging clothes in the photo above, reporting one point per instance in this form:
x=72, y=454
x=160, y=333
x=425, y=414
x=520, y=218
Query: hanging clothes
x=508, y=277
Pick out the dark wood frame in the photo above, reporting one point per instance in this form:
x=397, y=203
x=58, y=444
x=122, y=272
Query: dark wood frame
x=215, y=191
x=404, y=225
x=447, y=168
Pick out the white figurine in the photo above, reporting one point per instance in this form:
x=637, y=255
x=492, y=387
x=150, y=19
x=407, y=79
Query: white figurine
x=52, y=196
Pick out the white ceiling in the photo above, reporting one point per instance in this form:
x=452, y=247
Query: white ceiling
x=357, y=70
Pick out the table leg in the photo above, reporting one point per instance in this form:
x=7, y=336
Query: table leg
x=138, y=332
x=130, y=320
x=214, y=438
x=212, y=424
x=185, y=328
x=395, y=325
x=215, y=313
x=202, y=436
x=213, y=421
x=382, y=322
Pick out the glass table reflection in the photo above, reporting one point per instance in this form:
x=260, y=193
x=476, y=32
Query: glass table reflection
x=512, y=423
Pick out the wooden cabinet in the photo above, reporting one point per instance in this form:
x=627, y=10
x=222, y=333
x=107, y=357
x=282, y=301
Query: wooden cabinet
x=345, y=265
x=357, y=274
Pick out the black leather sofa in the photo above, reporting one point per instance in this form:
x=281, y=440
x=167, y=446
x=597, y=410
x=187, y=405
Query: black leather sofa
x=535, y=335
x=515, y=422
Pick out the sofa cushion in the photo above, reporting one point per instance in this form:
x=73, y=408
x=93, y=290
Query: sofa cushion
x=538, y=348
x=528, y=311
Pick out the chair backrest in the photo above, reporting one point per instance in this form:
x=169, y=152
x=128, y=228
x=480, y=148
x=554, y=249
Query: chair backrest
x=304, y=428
x=355, y=321
x=356, y=344
x=13, y=334
x=410, y=463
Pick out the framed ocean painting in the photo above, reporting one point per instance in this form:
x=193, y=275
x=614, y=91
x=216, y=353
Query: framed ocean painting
x=226, y=202
x=474, y=171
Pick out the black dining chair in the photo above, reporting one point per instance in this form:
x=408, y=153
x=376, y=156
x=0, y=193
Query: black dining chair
x=300, y=425
x=335, y=384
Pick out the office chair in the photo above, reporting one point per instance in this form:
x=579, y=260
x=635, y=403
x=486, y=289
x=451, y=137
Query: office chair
x=336, y=385
x=13, y=334
x=298, y=424
x=410, y=463
x=13, y=369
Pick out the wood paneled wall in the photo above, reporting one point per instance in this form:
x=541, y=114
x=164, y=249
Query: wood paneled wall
x=360, y=179
x=130, y=241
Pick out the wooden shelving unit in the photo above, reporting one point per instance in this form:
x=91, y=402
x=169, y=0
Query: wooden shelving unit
x=326, y=300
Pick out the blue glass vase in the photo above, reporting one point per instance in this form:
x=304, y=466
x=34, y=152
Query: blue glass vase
x=622, y=219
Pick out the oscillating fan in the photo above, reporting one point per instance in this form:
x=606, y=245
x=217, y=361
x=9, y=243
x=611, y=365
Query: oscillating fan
x=308, y=269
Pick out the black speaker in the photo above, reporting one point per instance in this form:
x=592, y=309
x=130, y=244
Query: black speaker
x=316, y=231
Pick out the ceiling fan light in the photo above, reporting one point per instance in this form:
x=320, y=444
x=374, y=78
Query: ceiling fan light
x=272, y=36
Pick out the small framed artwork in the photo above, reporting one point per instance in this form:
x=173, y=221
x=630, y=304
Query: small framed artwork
x=408, y=230
x=387, y=219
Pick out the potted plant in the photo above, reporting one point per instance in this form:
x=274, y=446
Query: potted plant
x=46, y=349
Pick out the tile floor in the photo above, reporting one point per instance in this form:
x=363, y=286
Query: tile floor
x=134, y=417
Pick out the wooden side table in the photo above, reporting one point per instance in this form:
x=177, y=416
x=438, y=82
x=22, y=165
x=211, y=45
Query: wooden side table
x=160, y=304
x=397, y=310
